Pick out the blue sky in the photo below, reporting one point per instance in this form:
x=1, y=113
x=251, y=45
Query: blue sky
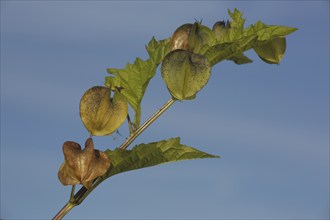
x=269, y=123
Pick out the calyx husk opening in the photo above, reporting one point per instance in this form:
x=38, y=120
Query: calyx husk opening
x=82, y=166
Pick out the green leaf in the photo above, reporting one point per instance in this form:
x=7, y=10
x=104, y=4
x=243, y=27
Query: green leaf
x=268, y=32
x=134, y=78
x=236, y=25
x=220, y=52
x=157, y=50
x=237, y=19
x=263, y=31
x=233, y=40
x=146, y=155
x=231, y=31
x=199, y=37
x=133, y=81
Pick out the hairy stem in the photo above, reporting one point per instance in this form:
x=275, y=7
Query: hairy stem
x=79, y=197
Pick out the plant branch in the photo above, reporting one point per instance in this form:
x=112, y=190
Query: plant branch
x=80, y=196
x=64, y=211
x=146, y=124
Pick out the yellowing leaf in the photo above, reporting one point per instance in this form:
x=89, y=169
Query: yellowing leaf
x=101, y=114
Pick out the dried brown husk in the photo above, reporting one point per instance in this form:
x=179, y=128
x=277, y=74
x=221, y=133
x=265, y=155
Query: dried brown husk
x=82, y=166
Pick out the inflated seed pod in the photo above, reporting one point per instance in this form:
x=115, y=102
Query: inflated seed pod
x=272, y=52
x=101, y=114
x=199, y=37
x=82, y=166
x=220, y=29
x=192, y=37
x=185, y=73
x=180, y=37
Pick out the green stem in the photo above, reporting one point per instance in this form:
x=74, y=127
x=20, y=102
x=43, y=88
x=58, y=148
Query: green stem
x=64, y=211
x=80, y=196
x=77, y=198
x=146, y=124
